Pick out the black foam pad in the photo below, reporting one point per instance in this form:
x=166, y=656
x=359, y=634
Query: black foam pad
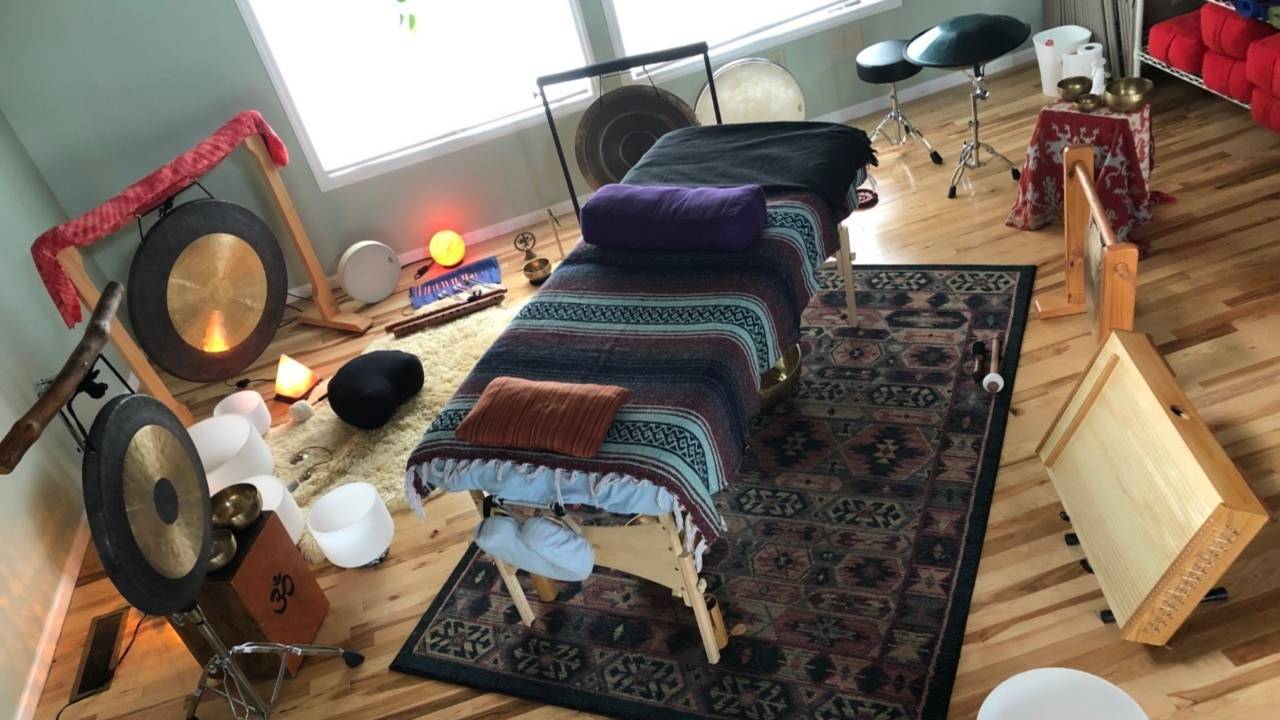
x=366, y=391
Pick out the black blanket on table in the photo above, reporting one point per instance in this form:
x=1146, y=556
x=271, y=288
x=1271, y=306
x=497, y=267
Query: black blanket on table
x=813, y=157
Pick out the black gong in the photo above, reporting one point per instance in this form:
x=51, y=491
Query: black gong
x=207, y=290
x=621, y=125
x=147, y=501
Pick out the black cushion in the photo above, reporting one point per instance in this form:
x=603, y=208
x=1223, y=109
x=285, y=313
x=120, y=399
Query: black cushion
x=884, y=63
x=366, y=391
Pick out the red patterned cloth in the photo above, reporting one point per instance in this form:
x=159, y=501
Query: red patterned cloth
x=1123, y=151
x=139, y=198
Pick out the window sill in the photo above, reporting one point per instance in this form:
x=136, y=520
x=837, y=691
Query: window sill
x=766, y=39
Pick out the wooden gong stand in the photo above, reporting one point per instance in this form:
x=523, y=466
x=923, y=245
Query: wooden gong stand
x=324, y=310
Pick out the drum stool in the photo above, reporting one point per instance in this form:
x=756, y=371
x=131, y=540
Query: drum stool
x=884, y=63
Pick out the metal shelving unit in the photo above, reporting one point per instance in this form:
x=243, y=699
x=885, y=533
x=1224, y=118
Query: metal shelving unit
x=1142, y=57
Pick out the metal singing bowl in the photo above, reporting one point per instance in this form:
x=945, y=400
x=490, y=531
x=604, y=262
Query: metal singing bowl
x=1073, y=87
x=537, y=270
x=1128, y=94
x=236, y=506
x=223, y=549
x=1088, y=102
x=779, y=381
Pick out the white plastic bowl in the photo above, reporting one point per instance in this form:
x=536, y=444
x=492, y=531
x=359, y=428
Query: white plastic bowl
x=249, y=404
x=351, y=525
x=230, y=449
x=1058, y=694
x=277, y=498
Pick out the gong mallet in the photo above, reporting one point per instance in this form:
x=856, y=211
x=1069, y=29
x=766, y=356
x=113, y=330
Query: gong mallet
x=992, y=381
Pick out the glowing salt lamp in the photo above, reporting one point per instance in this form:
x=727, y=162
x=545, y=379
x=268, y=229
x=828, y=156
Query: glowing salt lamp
x=293, y=379
x=447, y=248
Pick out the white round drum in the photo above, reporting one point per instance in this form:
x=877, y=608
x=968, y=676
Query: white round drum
x=369, y=271
x=752, y=90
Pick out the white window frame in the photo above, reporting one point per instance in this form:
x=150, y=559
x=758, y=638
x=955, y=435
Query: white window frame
x=467, y=137
x=841, y=13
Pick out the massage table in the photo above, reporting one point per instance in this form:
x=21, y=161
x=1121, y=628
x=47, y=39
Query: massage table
x=689, y=333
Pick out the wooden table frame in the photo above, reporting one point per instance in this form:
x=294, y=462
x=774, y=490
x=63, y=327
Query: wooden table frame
x=324, y=310
x=1100, y=276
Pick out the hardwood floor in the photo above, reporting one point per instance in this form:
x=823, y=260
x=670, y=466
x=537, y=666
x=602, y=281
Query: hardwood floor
x=1209, y=294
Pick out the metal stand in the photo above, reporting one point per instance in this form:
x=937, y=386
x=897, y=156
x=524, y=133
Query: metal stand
x=904, y=129
x=969, y=153
x=242, y=699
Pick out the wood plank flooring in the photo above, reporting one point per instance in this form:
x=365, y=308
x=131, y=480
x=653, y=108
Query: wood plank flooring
x=1208, y=294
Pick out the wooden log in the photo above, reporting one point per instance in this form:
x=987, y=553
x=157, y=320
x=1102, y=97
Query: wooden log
x=29, y=427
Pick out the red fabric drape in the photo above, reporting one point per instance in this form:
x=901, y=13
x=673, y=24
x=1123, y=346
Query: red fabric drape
x=140, y=197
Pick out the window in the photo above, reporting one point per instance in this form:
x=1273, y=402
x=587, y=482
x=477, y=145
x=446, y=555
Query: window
x=728, y=26
x=375, y=84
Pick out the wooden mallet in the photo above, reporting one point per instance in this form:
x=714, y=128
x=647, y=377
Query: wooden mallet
x=992, y=381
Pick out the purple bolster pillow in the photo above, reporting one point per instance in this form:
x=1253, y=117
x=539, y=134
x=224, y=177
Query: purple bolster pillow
x=656, y=217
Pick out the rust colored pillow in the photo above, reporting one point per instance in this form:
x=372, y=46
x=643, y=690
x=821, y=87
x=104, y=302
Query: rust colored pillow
x=566, y=418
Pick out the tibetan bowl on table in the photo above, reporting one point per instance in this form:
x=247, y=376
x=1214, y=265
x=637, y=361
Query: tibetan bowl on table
x=1073, y=87
x=236, y=506
x=1128, y=94
x=1088, y=102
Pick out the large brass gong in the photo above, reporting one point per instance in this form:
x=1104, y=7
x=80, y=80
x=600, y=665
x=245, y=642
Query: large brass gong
x=207, y=290
x=147, y=501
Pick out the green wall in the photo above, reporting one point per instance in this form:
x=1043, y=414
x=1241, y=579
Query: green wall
x=102, y=92
x=40, y=505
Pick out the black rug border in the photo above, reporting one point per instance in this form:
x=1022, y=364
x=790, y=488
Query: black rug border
x=937, y=700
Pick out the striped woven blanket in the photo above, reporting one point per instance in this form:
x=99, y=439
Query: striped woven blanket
x=688, y=333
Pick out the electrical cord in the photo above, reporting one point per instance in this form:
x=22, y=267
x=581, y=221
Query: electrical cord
x=111, y=671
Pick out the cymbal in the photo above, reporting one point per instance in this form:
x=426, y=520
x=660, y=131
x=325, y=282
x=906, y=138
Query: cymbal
x=147, y=501
x=967, y=40
x=207, y=290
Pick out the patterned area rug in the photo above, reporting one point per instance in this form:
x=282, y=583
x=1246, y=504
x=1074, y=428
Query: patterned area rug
x=854, y=536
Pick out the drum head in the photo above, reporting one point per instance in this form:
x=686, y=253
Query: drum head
x=752, y=90
x=207, y=290
x=148, y=504
x=621, y=125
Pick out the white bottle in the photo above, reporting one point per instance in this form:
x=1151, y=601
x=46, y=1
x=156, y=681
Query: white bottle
x=1099, y=76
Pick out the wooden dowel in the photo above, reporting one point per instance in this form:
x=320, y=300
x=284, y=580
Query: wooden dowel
x=1083, y=176
x=29, y=427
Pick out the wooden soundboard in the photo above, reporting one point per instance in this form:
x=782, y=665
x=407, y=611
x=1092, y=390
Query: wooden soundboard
x=1160, y=510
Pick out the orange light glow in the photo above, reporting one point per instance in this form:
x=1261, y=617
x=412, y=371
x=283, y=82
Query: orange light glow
x=293, y=379
x=447, y=248
x=215, y=334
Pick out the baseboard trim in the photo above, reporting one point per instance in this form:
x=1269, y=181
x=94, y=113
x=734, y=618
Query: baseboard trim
x=928, y=87
x=472, y=237
x=43, y=662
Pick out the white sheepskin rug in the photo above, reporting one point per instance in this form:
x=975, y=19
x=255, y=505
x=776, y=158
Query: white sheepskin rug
x=448, y=353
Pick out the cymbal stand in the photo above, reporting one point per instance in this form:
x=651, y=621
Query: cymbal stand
x=969, y=153
x=232, y=684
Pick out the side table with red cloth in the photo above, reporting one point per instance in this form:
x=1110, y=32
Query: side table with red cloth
x=1124, y=153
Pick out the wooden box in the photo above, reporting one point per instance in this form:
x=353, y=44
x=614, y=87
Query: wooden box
x=1159, y=508
x=266, y=594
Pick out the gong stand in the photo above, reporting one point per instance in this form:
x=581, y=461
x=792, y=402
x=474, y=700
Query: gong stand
x=324, y=310
x=609, y=68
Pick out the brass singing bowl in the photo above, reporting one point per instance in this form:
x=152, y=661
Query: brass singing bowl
x=779, y=381
x=1073, y=87
x=236, y=506
x=537, y=270
x=1128, y=94
x=1088, y=102
x=223, y=549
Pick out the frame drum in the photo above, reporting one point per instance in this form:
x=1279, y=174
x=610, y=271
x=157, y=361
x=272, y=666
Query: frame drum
x=752, y=90
x=369, y=271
